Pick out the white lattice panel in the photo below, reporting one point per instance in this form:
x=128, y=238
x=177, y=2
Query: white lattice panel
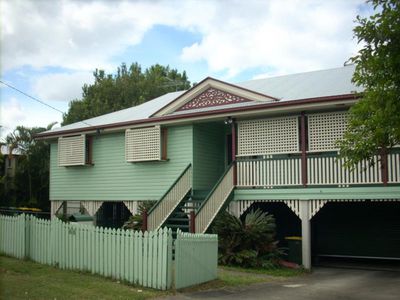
x=143, y=144
x=71, y=151
x=325, y=129
x=268, y=136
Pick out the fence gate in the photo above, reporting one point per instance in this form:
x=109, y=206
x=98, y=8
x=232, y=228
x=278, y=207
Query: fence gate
x=196, y=258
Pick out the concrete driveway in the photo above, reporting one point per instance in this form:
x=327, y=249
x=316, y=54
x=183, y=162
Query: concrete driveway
x=323, y=283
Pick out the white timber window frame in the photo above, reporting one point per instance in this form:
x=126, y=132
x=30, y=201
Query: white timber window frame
x=144, y=144
x=268, y=136
x=325, y=130
x=72, y=151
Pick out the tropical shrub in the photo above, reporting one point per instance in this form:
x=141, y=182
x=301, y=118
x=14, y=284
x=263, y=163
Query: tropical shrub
x=135, y=222
x=248, y=242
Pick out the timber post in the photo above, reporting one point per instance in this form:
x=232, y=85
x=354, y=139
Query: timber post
x=144, y=220
x=192, y=222
x=303, y=143
x=233, y=127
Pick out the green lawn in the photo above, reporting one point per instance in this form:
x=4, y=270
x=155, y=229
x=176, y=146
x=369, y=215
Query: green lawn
x=278, y=272
x=28, y=280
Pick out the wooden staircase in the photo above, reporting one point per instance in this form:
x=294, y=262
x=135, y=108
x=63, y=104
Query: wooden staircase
x=188, y=210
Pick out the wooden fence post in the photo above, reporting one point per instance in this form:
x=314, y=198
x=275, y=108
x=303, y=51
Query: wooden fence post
x=144, y=220
x=192, y=219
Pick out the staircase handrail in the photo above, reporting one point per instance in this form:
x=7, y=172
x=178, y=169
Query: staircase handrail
x=211, y=193
x=155, y=206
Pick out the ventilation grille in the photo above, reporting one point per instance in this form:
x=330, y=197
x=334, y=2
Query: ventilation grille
x=269, y=136
x=71, y=151
x=143, y=144
x=324, y=130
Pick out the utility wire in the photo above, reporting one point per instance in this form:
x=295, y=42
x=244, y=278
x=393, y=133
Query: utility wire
x=36, y=99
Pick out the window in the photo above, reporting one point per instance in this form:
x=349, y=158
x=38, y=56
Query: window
x=146, y=144
x=75, y=150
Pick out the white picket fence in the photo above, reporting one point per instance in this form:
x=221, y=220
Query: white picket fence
x=139, y=258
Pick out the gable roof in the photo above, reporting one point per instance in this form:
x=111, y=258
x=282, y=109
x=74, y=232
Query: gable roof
x=315, y=85
x=252, y=97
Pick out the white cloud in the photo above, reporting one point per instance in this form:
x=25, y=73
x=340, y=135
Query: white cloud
x=61, y=86
x=284, y=35
x=14, y=114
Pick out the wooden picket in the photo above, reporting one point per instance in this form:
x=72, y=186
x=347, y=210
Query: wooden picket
x=196, y=258
x=138, y=258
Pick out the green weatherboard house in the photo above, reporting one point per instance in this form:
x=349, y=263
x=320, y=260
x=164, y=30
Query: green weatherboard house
x=267, y=143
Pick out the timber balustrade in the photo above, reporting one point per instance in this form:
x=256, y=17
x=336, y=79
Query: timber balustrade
x=139, y=258
x=215, y=200
x=323, y=168
x=160, y=212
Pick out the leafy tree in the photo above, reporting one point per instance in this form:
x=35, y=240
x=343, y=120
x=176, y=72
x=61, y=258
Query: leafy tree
x=248, y=242
x=374, y=122
x=30, y=185
x=130, y=86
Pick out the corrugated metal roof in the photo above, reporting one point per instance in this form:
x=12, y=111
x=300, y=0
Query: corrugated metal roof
x=313, y=84
x=139, y=112
x=331, y=82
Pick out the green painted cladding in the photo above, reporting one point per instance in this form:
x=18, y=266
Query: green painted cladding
x=208, y=154
x=111, y=178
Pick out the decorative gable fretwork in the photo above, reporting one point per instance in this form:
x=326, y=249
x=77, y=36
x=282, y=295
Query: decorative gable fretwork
x=212, y=97
x=268, y=136
x=325, y=129
x=143, y=144
x=71, y=150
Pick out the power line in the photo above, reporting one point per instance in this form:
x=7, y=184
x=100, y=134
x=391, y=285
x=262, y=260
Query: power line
x=36, y=99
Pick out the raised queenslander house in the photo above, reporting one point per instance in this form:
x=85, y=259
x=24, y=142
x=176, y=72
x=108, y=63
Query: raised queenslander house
x=267, y=143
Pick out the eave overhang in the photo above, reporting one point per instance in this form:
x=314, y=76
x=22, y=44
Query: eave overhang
x=237, y=112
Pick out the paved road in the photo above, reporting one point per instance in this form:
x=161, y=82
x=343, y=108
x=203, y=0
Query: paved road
x=323, y=283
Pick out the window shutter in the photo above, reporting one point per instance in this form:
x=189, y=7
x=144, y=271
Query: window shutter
x=325, y=129
x=268, y=136
x=143, y=144
x=71, y=151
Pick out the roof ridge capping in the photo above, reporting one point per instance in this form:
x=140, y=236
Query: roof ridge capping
x=210, y=82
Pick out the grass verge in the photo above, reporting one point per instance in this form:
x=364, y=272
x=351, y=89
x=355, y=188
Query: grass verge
x=21, y=279
x=278, y=272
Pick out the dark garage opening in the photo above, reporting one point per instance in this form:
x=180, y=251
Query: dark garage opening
x=112, y=215
x=357, y=234
x=287, y=223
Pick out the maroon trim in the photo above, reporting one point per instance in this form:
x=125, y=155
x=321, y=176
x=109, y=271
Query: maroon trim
x=192, y=219
x=303, y=141
x=384, y=166
x=208, y=113
x=144, y=220
x=217, y=80
x=234, y=152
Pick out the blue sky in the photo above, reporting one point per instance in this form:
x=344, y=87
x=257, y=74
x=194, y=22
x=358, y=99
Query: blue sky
x=49, y=49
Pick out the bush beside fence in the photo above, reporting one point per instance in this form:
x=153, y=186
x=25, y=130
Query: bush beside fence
x=136, y=257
